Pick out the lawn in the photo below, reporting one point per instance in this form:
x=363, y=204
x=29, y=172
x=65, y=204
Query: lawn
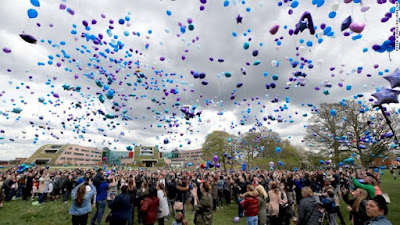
x=21, y=212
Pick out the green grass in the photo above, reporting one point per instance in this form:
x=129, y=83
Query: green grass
x=56, y=213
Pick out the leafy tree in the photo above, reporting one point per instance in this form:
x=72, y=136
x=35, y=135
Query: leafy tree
x=215, y=144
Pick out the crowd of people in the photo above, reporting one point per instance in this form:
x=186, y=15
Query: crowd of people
x=262, y=197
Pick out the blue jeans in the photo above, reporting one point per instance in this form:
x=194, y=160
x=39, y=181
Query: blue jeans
x=100, y=208
x=66, y=195
x=252, y=220
x=42, y=197
x=130, y=216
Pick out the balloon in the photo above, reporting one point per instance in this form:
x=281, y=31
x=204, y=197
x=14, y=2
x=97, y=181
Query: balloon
x=28, y=38
x=278, y=149
x=35, y=3
x=274, y=29
x=32, y=13
x=202, y=166
x=365, y=8
x=335, y=6
x=398, y=159
x=236, y=219
x=321, y=162
x=6, y=50
x=394, y=78
x=346, y=23
x=271, y=164
x=217, y=165
x=244, y=166
x=17, y=110
x=357, y=27
x=340, y=164
x=302, y=24
x=333, y=112
x=386, y=96
x=215, y=158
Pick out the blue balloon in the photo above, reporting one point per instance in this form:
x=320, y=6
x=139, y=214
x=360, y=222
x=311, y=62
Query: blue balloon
x=320, y=3
x=332, y=14
x=278, y=149
x=32, y=13
x=35, y=3
x=340, y=164
x=226, y=3
x=294, y=4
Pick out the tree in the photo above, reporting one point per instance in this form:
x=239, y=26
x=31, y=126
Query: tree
x=326, y=128
x=351, y=126
x=215, y=144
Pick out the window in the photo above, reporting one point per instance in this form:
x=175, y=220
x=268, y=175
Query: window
x=77, y=149
x=146, y=151
x=81, y=154
x=62, y=158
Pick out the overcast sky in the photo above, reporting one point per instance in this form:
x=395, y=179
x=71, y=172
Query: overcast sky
x=151, y=111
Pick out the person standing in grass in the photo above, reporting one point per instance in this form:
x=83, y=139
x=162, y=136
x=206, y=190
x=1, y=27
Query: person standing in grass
x=370, y=185
x=307, y=211
x=81, y=207
x=262, y=209
x=101, y=201
x=67, y=187
x=163, y=209
x=120, y=207
x=250, y=205
x=150, y=207
x=357, y=206
x=204, y=208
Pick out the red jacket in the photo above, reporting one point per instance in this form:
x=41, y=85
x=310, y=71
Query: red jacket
x=149, y=209
x=250, y=206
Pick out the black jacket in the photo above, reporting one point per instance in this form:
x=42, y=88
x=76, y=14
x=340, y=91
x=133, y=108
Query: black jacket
x=120, y=206
x=360, y=216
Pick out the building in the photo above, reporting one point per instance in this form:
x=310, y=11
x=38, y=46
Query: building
x=148, y=155
x=17, y=161
x=66, y=154
x=118, y=157
x=3, y=163
x=183, y=158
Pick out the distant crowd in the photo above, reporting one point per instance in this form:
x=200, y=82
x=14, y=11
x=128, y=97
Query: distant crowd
x=261, y=197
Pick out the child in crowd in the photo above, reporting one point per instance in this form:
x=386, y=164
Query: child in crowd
x=179, y=219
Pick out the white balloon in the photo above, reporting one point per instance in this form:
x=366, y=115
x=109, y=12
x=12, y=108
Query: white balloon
x=335, y=6
x=274, y=63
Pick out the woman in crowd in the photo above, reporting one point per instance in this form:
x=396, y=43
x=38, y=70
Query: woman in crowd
x=180, y=200
x=163, y=209
x=204, y=208
x=357, y=206
x=81, y=207
x=132, y=191
x=150, y=207
x=370, y=185
x=307, y=211
x=298, y=182
x=250, y=205
x=120, y=207
x=262, y=209
x=277, y=198
x=377, y=211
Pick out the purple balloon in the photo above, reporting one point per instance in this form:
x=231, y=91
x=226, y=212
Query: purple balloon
x=6, y=50
x=215, y=158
